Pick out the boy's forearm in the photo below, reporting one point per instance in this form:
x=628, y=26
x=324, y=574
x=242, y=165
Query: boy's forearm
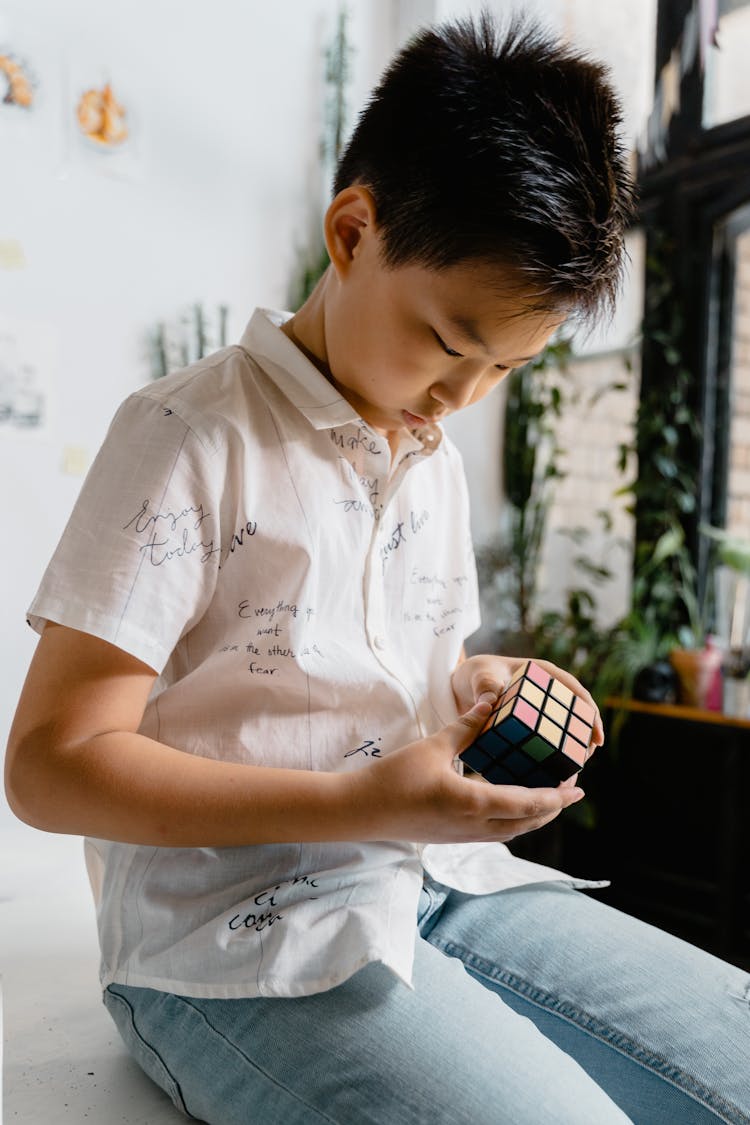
x=123, y=786
x=76, y=764
x=119, y=785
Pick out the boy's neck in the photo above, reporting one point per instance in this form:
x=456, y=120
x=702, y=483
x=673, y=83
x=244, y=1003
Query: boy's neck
x=306, y=330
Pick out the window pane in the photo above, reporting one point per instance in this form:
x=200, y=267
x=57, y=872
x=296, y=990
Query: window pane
x=738, y=490
x=727, y=88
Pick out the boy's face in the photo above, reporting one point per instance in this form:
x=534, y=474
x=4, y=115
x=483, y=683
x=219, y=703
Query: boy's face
x=411, y=345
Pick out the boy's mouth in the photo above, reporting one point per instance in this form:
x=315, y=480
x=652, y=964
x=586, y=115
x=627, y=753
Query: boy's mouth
x=417, y=419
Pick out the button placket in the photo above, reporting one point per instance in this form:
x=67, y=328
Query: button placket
x=381, y=644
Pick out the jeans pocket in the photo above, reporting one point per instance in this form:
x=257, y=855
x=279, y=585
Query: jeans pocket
x=431, y=901
x=147, y=1057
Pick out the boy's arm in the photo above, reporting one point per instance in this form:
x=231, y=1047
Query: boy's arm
x=76, y=764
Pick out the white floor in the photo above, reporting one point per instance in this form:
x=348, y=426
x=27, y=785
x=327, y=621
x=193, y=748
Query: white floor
x=63, y=1059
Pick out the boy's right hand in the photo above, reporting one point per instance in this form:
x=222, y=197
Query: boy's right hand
x=415, y=793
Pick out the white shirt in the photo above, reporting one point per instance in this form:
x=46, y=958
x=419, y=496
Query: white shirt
x=304, y=597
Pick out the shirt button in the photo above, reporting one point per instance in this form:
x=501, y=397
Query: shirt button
x=379, y=643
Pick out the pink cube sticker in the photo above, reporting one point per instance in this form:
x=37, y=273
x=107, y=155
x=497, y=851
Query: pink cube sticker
x=584, y=711
x=526, y=713
x=538, y=675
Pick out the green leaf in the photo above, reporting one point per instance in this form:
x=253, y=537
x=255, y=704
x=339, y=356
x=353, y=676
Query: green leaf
x=686, y=502
x=666, y=466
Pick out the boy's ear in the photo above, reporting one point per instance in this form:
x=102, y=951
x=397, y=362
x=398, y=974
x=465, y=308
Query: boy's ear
x=349, y=222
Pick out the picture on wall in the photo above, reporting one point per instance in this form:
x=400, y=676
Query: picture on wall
x=17, y=83
x=101, y=118
x=196, y=333
x=27, y=356
x=103, y=127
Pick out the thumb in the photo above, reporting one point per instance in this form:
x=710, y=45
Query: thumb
x=485, y=684
x=462, y=732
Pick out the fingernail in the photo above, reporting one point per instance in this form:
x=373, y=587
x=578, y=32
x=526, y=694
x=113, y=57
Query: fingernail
x=487, y=697
x=576, y=795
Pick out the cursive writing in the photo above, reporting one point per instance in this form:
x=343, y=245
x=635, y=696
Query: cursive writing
x=368, y=748
x=260, y=669
x=397, y=538
x=160, y=551
x=359, y=440
x=440, y=630
x=144, y=518
x=239, y=539
x=261, y=918
x=417, y=520
x=427, y=579
x=269, y=612
x=352, y=504
x=170, y=534
x=256, y=922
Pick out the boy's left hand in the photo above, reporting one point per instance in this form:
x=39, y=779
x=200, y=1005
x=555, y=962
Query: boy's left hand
x=478, y=675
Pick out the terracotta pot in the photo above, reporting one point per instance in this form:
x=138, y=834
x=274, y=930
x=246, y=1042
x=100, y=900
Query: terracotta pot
x=696, y=669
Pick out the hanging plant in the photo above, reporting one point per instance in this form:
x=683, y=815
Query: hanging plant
x=667, y=437
x=531, y=463
x=312, y=260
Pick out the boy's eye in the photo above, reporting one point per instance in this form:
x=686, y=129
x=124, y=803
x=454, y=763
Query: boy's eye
x=459, y=355
x=446, y=349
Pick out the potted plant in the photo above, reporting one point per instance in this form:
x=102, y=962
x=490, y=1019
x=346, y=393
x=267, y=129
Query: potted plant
x=693, y=652
x=732, y=616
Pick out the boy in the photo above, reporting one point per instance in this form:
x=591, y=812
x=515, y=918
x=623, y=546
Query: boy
x=246, y=690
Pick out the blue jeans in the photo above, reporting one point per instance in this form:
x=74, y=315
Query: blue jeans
x=534, y=1006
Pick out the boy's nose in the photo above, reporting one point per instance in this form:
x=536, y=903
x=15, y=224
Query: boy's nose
x=456, y=392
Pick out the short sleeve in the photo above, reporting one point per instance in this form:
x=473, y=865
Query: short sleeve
x=138, y=561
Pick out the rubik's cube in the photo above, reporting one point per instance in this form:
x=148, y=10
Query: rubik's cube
x=539, y=733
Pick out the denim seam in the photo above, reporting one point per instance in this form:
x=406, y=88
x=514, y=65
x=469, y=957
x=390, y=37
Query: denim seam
x=175, y=1093
x=291, y=1093
x=427, y=922
x=427, y=915
x=730, y=1113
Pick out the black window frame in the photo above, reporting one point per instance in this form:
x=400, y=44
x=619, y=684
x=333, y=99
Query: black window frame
x=704, y=177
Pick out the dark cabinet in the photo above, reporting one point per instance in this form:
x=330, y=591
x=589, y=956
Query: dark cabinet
x=672, y=827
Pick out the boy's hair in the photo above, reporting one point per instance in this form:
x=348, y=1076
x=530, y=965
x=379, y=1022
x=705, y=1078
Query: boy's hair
x=500, y=148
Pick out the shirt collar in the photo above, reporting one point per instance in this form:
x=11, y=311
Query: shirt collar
x=299, y=379
x=293, y=373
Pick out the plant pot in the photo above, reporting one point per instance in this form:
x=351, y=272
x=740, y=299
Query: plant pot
x=696, y=669
x=656, y=683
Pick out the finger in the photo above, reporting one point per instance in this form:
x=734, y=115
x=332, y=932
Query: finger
x=484, y=683
x=516, y=803
x=510, y=829
x=466, y=727
x=496, y=681
x=534, y=810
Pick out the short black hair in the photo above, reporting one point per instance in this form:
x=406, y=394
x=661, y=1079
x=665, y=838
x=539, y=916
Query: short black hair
x=500, y=147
